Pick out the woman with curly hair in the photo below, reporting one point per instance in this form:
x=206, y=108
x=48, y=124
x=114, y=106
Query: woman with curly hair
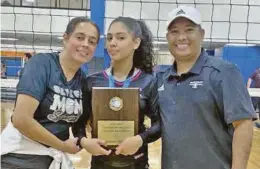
x=129, y=44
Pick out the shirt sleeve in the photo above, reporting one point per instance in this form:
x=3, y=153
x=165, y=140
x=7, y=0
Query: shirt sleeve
x=35, y=77
x=237, y=103
x=152, y=111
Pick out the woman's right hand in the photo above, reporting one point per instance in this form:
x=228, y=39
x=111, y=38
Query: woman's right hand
x=70, y=146
x=94, y=146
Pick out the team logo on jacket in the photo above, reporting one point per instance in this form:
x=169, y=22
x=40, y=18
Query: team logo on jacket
x=195, y=84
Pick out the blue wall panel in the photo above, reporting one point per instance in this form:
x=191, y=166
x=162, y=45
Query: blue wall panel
x=97, y=14
x=247, y=58
x=97, y=8
x=12, y=67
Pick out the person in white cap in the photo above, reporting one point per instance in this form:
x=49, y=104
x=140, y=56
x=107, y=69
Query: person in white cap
x=206, y=111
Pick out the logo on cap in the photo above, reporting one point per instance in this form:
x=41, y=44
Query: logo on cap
x=180, y=12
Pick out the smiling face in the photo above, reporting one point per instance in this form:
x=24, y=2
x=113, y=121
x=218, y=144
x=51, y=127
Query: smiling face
x=184, y=39
x=121, y=43
x=82, y=42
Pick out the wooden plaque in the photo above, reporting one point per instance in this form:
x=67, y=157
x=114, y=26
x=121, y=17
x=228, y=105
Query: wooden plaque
x=115, y=114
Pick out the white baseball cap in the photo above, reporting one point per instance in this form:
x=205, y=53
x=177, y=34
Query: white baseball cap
x=188, y=12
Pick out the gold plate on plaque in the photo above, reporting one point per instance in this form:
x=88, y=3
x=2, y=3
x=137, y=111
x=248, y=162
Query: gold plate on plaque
x=116, y=103
x=114, y=132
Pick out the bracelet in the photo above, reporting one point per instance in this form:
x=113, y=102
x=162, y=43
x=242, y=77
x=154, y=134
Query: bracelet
x=78, y=142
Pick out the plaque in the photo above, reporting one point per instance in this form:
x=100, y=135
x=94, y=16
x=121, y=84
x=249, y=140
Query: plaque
x=114, y=132
x=115, y=114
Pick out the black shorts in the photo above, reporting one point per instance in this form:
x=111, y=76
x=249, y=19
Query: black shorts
x=99, y=164
x=25, y=161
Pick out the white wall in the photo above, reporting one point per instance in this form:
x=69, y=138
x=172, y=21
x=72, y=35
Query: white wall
x=223, y=22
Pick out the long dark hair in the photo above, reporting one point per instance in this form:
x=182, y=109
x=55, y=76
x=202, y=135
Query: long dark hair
x=75, y=21
x=144, y=54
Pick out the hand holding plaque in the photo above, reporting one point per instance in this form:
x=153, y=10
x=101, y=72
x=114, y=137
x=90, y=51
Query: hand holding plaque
x=115, y=114
x=129, y=146
x=94, y=146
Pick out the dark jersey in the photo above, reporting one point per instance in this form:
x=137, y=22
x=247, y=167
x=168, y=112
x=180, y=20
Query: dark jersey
x=60, y=101
x=147, y=106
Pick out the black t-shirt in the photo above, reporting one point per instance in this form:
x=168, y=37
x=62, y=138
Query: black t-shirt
x=60, y=101
x=148, y=106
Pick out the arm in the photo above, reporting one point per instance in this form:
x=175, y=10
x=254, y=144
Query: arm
x=79, y=128
x=241, y=147
x=152, y=134
x=249, y=82
x=23, y=120
x=31, y=90
x=93, y=146
x=238, y=113
x=131, y=145
x=152, y=111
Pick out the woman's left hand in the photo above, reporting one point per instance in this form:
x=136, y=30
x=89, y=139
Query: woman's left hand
x=129, y=146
